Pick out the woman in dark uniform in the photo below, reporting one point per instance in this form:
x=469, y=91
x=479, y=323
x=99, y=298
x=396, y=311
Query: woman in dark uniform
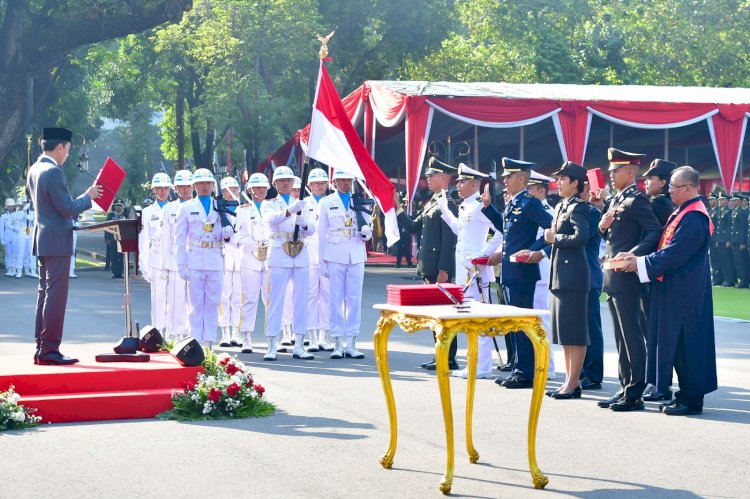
x=569, y=281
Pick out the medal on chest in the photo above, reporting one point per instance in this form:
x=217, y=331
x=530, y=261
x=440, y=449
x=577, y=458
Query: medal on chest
x=208, y=227
x=348, y=221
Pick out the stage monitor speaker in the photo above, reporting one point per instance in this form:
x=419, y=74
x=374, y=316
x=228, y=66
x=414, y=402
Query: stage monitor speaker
x=188, y=352
x=150, y=339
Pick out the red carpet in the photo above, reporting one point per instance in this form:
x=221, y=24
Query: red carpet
x=384, y=259
x=90, y=391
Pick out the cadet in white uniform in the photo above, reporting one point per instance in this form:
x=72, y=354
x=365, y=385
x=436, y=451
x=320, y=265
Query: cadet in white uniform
x=342, y=259
x=538, y=187
x=199, y=238
x=231, y=293
x=10, y=237
x=253, y=239
x=287, y=316
x=319, y=303
x=149, y=250
x=283, y=213
x=472, y=228
x=26, y=218
x=177, y=292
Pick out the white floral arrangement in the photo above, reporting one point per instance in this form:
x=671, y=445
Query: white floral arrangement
x=14, y=416
x=224, y=390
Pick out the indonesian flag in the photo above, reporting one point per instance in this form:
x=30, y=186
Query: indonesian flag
x=334, y=141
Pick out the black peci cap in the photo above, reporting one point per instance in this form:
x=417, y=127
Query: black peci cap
x=57, y=134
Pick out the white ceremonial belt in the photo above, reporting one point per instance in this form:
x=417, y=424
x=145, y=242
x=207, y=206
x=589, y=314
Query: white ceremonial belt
x=205, y=244
x=342, y=233
x=286, y=236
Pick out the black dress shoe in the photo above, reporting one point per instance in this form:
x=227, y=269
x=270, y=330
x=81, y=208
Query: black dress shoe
x=549, y=393
x=424, y=365
x=506, y=368
x=587, y=384
x=431, y=366
x=668, y=404
x=627, y=404
x=575, y=394
x=516, y=381
x=681, y=410
x=653, y=395
x=54, y=359
x=604, y=404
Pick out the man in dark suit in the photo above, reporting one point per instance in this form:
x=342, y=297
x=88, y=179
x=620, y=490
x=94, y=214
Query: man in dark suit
x=116, y=261
x=53, y=241
x=628, y=225
x=521, y=220
x=436, y=258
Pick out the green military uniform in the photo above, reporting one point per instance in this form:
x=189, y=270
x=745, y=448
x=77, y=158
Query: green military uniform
x=738, y=237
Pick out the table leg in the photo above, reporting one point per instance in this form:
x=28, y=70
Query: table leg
x=441, y=358
x=538, y=339
x=471, y=385
x=380, y=341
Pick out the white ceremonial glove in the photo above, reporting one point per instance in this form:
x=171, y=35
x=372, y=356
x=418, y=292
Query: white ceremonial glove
x=365, y=232
x=442, y=201
x=146, y=276
x=182, y=269
x=164, y=275
x=324, y=268
x=226, y=232
x=296, y=206
x=466, y=261
x=302, y=220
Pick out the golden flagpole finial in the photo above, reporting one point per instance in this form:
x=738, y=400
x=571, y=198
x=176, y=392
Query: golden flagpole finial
x=324, y=44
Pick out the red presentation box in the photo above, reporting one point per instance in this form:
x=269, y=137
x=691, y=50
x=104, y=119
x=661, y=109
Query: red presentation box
x=422, y=294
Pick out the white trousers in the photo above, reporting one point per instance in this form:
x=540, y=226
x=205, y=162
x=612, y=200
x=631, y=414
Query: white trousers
x=11, y=249
x=541, y=302
x=23, y=255
x=158, y=298
x=287, y=316
x=280, y=277
x=319, y=301
x=254, y=287
x=346, y=298
x=485, y=345
x=231, y=300
x=177, y=305
x=204, y=289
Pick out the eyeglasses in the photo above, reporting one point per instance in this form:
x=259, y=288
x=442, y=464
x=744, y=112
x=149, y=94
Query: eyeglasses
x=675, y=187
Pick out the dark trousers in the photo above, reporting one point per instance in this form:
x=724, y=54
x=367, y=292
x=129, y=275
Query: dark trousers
x=593, y=363
x=688, y=393
x=108, y=260
x=741, y=264
x=52, y=298
x=630, y=340
x=117, y=262
x=403, y=251
x=727, y=265
x=454, y=344
x=521, y=295
x=714, y=255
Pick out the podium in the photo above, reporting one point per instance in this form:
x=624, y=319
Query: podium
x=125, y=232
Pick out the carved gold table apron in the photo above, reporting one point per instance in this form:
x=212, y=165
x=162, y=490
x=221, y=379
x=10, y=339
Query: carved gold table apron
x=481, y=320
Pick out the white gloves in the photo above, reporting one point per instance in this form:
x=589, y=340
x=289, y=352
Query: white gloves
x=164, y=275
x=442, y=201
x=296, y=206
x=226, y=232
x=324, y=268
x=302, y=220
x=466, y=261
x=365, y=232
x=146, y=276
x=182, y=269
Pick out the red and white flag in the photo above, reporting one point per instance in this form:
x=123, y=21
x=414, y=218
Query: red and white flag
x=334, y=141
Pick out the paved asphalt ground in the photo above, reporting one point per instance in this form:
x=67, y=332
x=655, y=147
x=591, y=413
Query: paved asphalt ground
x=332, y=427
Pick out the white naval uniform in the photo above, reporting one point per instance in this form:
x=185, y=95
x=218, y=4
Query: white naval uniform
x=72, y=269
x=541, y=292
x=251, y=235
x=471, y=228
x=11, y=227
x=26, y=219
x=199, y=249
x=150, y=263
x=342, y=249
x=283, y=268
x=231, y=292
x=319, y=302
x=176, y=320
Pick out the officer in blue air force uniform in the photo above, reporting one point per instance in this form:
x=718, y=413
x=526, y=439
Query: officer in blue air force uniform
x=521, y=220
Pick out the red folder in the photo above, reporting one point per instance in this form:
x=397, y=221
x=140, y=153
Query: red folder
x=110, y=177
x=596, y=180
x=482, y=260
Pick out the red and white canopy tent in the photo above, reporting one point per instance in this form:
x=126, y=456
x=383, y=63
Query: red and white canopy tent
x=557, y=122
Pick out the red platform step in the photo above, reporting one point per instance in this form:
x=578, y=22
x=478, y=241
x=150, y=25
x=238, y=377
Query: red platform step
x=91, y=391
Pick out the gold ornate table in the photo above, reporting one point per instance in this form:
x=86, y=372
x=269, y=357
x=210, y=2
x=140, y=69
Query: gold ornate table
x=446, y=321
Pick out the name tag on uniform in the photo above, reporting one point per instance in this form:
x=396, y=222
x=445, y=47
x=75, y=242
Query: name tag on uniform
x=154, y=217
x=194, y=213
x=173, y=215
x=333, y=208
x=252, y=218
